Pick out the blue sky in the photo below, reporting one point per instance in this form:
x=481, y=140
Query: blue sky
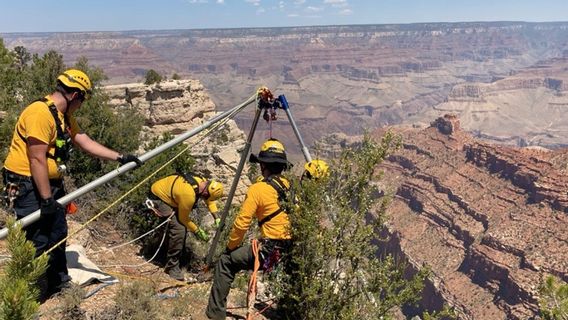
x=117, y=15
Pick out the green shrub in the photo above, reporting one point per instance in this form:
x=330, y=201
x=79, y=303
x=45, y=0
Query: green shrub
x=152, y=76
x=18, y=292
x=335, y=271
x=553, y=299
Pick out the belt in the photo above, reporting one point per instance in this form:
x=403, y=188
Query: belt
x=14, y=177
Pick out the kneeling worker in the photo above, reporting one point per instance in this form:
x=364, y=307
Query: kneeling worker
x=180, y=192
x=263, y=201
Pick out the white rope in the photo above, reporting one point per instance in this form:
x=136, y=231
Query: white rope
x=134, y=240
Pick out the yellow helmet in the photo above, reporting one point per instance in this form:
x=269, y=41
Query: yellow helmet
x=316, y=169
x=76, y=79
x=215, y=190
x=271, y=151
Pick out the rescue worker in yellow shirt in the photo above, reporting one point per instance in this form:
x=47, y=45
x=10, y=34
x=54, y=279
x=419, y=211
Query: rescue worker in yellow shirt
x=315, y=169
x=179, y=194
x=264, y=202
x=35, y=164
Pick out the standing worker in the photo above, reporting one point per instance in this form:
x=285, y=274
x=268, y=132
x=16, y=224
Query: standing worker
x=180, y=192
x=33, y=170
x=263, y=201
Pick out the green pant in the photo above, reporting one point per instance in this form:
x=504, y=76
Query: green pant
x=228, y=266
x=177, y=235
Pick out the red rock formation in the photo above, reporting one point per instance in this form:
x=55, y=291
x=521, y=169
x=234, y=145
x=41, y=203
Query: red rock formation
x=490, y=221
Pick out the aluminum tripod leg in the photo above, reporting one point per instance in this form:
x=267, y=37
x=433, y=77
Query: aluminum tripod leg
x=227, y=208
x=286, y=108
x=33, y=217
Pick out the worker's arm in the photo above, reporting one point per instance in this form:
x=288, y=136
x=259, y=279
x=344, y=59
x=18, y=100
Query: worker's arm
x=185, y=206
x=94, y=148
x=244, y=219
x=37, y=155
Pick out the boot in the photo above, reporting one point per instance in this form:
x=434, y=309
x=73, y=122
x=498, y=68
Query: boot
x=175, y=273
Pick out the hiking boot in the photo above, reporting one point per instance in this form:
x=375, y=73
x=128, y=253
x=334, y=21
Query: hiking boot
x=176, y=273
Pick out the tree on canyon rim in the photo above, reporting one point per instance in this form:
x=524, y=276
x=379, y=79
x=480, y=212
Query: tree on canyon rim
x=336, y=269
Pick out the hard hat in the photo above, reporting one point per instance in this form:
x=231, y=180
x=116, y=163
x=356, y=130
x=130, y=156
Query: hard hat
x=76, y=79
x=215, y=190
x=271, y=151
x=316, y=168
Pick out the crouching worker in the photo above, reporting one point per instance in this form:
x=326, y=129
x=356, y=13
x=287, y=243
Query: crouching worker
x=179, y=194
x=263, y=201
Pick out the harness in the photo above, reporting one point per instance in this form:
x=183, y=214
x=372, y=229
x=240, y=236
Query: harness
x=63, y=145
x=277, y=182
x=189, y=178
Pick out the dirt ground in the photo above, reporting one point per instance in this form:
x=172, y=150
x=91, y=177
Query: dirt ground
x=174, y=299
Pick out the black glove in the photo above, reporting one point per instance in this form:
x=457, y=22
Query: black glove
x=49, y=207
x=123, y=159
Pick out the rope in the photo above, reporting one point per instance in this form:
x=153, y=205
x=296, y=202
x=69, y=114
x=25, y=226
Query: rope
x=134, y=240
x=214, y=127
x=251, y=294
x=145, y=262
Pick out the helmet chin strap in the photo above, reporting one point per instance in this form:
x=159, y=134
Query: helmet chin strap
x=67, y=101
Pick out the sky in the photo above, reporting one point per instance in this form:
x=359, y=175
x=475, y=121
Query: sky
x=121, y=15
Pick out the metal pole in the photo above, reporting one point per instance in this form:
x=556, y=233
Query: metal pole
x=286, y=108
x=33, y=217
x=244, y=156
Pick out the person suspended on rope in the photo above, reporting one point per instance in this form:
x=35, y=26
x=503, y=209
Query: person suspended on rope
x=264, y=201
x=179, y=193
x=36, y=162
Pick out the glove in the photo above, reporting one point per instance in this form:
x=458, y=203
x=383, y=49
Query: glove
x=49, y=207
x=201, y=235
x=217, y=222
x=123, y=159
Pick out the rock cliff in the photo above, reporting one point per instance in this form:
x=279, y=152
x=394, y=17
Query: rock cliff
x=491, y=221
x=178, y=106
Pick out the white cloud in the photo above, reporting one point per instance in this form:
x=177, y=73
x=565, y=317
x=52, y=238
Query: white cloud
x=313, y=9
x=220, y=1
x=334, y=1
x=260, y=11
x=346, y=12
x=281, y=4
x=254, y=2
x=293, y=15
x=299, y=1
x=196, y=1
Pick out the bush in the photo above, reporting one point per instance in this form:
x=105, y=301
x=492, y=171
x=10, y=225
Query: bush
x=18, y=293
x=553, y=299
x=152, y=76
x=335, y=271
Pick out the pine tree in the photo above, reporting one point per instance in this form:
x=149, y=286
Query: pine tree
x=554, y=299
x=18, y=293
x=336, y=270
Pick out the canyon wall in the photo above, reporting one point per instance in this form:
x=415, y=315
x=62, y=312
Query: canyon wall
x=490, y=221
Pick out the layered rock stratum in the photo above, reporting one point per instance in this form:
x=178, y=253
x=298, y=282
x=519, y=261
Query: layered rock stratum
x=506, y=80
x=490, y=221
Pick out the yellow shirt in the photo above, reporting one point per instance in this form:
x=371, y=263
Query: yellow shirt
x=261, y=201
x=36, y=121
x=180, y=196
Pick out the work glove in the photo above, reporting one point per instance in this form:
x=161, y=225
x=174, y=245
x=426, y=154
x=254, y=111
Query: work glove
x=201, y=235
x=49, y=207
x=123, y=159
x=217, y=222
